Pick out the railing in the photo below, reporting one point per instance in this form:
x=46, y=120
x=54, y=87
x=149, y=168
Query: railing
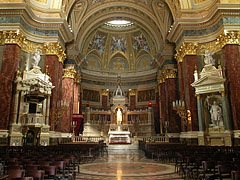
x=154, y=138
x=32, y=119
x=87, y=138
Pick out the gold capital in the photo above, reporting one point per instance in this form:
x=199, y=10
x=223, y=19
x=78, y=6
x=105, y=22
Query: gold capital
x=170, y=73
x=132, y=92
x=69, y=73
x=104, y=92
x=55, y=49
x=78, y=78
x=12, y=37
x=228, y=38
x=185, y=49
x=161, y=78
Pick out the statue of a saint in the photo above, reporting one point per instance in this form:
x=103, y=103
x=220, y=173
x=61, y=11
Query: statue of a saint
x=36, y=58
x=208, y=59
x=119, y=116
x=216, y=113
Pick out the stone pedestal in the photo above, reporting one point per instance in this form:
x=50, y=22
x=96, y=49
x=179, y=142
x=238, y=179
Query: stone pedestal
x=45, y=136
x=16, y=135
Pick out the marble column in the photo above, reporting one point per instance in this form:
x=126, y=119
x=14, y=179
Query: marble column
x=157, y=114
x=189, y=63
x=162, y=98
x=232, y=70
x=104, y=94
x=181, y=91
x=201, y=121
x=15, y=107
x=76, y=98
x=132, y=94
x=52, y=67
x=226, y=112
x=10, y=62
x=67, y=97
x=171, y=95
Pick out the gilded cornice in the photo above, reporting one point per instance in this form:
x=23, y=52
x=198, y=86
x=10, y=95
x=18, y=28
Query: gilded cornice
x=132, y=92
x=69, y=73
x=55, y=49
x=220, y=42
x=186, y=49
x=104, y=92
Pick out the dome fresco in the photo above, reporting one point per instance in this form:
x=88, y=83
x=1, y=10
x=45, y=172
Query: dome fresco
x=108, y=49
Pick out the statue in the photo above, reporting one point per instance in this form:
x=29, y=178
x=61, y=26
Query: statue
x=208, y=59
x=216, y=114
x=36, y=58
x=119, y=116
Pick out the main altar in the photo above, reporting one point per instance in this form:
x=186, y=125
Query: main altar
x=118, y=124
x=119, y=131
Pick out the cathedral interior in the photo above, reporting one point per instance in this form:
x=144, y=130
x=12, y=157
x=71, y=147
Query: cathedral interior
x=120, y=72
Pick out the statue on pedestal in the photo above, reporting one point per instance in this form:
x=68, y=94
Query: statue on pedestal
x=119, y=116
x=216, y=114
x=36, y=58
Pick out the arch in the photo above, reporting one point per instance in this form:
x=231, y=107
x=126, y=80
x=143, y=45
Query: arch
x=118, y=63
x=92, y=60
x=144, y=62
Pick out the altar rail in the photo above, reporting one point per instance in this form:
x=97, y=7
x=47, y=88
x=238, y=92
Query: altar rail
x=87, y=138
x=154, y=138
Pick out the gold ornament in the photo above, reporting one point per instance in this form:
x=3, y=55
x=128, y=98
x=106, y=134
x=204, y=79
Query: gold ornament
x=186, y=49
x=69, y=73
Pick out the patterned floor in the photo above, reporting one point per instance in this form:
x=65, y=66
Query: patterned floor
x=126, y=165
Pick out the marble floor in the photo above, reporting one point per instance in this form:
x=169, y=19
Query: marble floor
x=126, y=164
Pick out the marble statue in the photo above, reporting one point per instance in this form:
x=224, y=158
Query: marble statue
x=36, y=58
x=216, y=114
x=119, y=116
x=208, y=59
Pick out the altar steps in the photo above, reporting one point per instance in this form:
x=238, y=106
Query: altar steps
x=123, y=146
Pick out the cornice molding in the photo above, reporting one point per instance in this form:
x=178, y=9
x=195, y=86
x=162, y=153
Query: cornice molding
x=34, y=27
x=203, y=25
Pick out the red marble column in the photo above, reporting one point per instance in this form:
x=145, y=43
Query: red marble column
x=171, y=95
x=54, y=70
x=181, y=91
x=67, y=96
x=76, y=98
x=232, y=64
x=162, y=103
x=157, y=122
x=10, y=62
x=80, y=101
x=104, y=102
x=132, y=102
x=189, y=63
